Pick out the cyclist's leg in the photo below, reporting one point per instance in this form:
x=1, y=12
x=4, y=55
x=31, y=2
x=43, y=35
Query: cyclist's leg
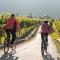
x=46, y=42
x=7, y=42
x=42, y=44
x=42, y=37
x=8, y=37
x=46, y=38
x=13, y=38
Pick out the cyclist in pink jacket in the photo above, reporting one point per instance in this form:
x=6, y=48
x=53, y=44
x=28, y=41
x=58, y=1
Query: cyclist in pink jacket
x=45, y=30
x=11, y=27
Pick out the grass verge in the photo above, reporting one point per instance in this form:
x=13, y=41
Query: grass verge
x=56, y=36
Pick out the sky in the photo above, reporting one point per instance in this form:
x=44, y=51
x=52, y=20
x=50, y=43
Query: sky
x=36, y=7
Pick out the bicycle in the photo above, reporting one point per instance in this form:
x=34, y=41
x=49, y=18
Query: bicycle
x=44, y=46
x=7, y=45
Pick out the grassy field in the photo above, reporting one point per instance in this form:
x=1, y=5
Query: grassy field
x=55, y=36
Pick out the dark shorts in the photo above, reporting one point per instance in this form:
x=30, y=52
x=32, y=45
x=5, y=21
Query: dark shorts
x=13, y=33
x=44, y=36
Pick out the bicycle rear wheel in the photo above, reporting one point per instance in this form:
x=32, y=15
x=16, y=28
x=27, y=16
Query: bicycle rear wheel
x=6, y=46
x=42, y=49
x=46, y=48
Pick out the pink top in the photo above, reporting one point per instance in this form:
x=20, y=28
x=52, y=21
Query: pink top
x=10, y=24
x=45, y=28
